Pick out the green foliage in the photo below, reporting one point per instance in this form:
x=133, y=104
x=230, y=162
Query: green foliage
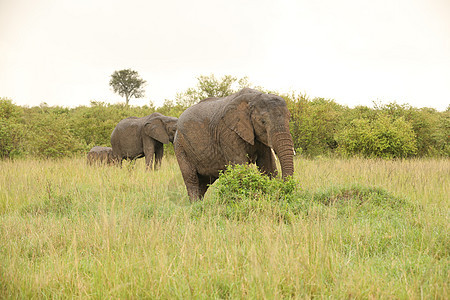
x=210, y=86
x=128, y=84
x=442, y=134
x=382, y=137
x=45, y=131
x=169, y=108
x=244, y=181
x=11, y=129
x=242, y=192
x=323, y=127
x=314, y=123
x=431, y=128
x=49, y=133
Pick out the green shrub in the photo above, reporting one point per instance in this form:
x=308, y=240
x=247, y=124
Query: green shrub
x=382, y=137
x=241, y=182
x=49, y=134
x=242, y=192
x=323, y=127
x=11, y=129
x=430, y=127
x=442, y=134
x=314, y=123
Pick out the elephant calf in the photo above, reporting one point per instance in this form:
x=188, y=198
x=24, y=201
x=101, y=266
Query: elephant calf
x=101, y=155
x=138, y=137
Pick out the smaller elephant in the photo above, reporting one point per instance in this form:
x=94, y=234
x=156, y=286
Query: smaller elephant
x=138, y=137
x=101, y=155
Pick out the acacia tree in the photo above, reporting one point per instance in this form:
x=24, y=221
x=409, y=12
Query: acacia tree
x=210, y=86
x=128, y=84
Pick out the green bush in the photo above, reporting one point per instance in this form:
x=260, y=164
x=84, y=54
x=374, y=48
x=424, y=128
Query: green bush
x=11, y=129
x=382, y=137
x=314, y=123
x=240, y=182
x=442, y=134
x=242, y=192
x=323, y=127
x=49, y=134
x=431, y=128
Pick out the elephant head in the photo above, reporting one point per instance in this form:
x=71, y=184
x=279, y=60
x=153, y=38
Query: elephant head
x=265, y=118
x=161, y=128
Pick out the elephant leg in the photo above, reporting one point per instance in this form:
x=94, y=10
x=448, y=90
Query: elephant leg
x=159, y=153
x=149, y=161
x=149, y=152
x=266, y=161
x=190, y=177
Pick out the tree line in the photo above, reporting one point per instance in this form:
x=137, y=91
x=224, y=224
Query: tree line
x=319, y=127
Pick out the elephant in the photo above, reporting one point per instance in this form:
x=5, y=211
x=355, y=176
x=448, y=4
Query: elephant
x=101, y=155
x=135, y=137
x=238, y=129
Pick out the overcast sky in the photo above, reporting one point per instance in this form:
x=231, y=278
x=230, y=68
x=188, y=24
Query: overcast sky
x=63, y=52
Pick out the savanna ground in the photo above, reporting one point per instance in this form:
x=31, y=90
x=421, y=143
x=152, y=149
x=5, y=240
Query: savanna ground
x=351, y=228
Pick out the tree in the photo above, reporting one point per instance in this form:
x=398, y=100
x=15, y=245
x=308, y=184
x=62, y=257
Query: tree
x=128, y=84
x=210, y=86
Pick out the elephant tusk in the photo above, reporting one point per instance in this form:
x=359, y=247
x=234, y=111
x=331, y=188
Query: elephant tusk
x=274, y=154
x=276, y=157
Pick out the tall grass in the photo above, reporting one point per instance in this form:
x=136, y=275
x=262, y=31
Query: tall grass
x=71, y=230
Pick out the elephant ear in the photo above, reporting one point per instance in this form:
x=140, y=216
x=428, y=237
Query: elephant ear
x=155, y=129
x=237, y=117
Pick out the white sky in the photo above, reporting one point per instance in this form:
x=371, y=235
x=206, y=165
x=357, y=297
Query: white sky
x=63, y=52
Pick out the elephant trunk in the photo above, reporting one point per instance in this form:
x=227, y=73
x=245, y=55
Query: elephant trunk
x=284, y=149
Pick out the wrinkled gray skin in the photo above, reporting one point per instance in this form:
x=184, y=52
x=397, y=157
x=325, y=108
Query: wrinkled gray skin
x=238, y=129
x=138, y=137
x=101, y=155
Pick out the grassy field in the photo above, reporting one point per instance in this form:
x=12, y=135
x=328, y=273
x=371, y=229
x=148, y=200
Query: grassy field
x=351, y=229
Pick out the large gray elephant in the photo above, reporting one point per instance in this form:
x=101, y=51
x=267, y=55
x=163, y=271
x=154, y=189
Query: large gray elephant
x=138, y=137
x=101, y=155
x=238, y=129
